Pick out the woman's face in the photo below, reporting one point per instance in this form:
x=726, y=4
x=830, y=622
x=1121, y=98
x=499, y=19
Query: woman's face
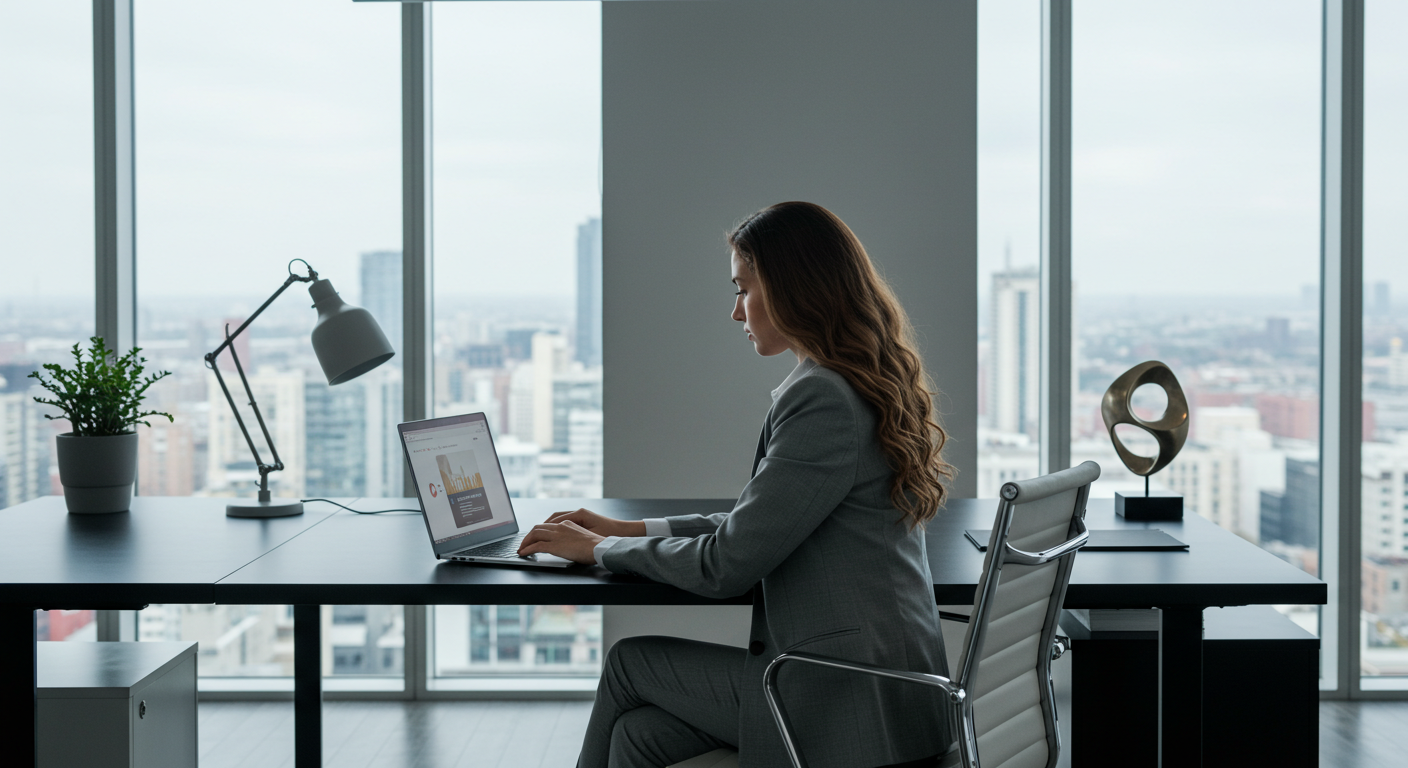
x=750, y=309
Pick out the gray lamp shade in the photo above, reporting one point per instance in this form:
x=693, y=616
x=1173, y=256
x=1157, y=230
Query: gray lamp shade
x=347, y=339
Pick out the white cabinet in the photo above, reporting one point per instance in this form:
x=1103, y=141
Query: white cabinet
x=117, y=705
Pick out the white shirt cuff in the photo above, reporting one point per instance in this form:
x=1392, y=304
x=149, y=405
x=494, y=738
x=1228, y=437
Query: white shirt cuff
x=602, y=546
x=657, y=526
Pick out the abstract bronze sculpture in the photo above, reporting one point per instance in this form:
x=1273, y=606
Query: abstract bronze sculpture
x=1170, y=431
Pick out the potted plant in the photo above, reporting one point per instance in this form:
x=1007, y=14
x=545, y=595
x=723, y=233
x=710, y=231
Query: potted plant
x=102, y=399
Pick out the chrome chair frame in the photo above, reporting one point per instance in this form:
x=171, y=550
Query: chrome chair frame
x=960, y=709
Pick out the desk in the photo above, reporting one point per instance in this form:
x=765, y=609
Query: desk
x=185, y=550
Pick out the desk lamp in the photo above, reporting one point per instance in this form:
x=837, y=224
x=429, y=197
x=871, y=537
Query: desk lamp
x=348, y=343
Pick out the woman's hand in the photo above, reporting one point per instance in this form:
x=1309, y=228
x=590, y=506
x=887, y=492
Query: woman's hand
x=566, y=540
x=598, y=524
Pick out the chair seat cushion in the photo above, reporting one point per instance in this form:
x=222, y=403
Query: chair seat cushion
x=719, y=758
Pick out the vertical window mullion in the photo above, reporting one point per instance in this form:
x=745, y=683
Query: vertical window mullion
x=1055, y=376
x=114, y=181
x=416, y=210
x=115, y=225
x=417, y=292
x=1341, y=336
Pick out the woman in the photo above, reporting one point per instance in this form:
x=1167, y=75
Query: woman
x=847, y=471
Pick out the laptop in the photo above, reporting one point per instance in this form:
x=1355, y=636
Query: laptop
x=462, y=493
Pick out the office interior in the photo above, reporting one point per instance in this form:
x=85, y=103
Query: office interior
x=531, y=199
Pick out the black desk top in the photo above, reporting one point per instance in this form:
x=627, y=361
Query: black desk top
x=387, y=559
x=175, y=549
x=1218, y=569
x=383, y=559
x=184, y=550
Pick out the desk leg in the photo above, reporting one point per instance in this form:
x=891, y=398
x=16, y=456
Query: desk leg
x=19, y=634
x=307, y=686
x=1181, y=687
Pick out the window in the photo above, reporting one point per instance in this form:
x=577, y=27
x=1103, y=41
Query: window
x=46, y=235
x=1196, y=162
x=1384, y=457
x=260, y=143
x=1009, y=241
x=518, y=286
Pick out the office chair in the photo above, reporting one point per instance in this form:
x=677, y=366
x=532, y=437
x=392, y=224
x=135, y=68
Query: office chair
x=1001, y=705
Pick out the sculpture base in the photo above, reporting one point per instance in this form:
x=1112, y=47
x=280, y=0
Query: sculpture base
x=1157, y=506
x=271, y=508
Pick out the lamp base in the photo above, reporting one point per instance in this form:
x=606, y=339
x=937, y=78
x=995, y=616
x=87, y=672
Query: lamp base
x=271, y=508
x=1157, y=506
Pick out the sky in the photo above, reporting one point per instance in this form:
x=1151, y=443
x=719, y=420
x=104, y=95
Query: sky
x=270, y=129
x=1196, y=144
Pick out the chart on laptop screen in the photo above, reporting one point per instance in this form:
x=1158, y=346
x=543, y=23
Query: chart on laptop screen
x=458, y=478
x=464, y=488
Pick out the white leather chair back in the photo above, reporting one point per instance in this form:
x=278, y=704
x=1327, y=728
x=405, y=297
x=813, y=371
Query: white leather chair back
x=1005, y=664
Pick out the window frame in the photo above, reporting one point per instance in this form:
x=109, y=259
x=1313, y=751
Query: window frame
x=1341, y=285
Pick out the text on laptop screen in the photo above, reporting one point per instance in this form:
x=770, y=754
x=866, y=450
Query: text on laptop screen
x=459, y=480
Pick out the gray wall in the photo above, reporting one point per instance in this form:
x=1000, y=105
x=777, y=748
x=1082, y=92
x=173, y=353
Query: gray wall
x=715, y=109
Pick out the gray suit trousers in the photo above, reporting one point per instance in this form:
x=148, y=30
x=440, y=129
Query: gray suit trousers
x=663, y=700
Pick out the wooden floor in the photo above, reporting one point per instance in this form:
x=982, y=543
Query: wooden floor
x=1364, y=734
x=497, y=734
x=548, y=734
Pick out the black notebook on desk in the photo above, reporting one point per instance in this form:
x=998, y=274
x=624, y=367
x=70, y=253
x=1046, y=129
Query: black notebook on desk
x=1106, y=540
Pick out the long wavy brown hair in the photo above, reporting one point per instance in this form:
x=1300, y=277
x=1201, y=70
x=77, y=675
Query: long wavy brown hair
x=825, y=296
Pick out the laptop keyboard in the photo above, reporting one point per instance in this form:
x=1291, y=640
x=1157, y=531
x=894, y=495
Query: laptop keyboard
x=505, y=548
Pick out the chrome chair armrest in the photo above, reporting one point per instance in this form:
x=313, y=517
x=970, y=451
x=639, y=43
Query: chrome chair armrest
x=956, y=694
x=1022, y=557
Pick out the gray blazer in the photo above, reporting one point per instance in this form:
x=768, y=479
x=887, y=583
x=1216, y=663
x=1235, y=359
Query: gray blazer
x=838, y=572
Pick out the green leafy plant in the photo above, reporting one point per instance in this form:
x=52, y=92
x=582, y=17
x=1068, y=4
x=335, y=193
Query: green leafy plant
x=102, y=395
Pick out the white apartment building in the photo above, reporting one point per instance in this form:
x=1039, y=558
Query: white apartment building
x=230, y=466
x=584, y=445
x=549, y=359
x=1016, y=351
x=24, y=447
x=1384, y=499
x=1208, y=479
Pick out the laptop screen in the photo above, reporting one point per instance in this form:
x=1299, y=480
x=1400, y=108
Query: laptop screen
x=458, y=479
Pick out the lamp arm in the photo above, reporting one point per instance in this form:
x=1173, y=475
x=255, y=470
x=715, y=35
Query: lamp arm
x=268, y=439
x=258, y=461
x=264, y=469
x=230, y=337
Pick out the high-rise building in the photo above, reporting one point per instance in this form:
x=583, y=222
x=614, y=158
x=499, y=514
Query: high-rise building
x=519, y=462
x=1382, y=303
x=1207, y=477
x=578, y=390
x=518, y=343
x=1397, y=364
x=1016, y=351
x=24, y=442
x=382, y=399
x=166, y=458
x=1293, y=516
x=382, y=388
x=381, y=294
x=336, y=427
x=230, y=467
x=367, y=639
x=589, y=293
x=1384, y=499
x=549, y=359
x=520, y=402
x=584, y=430
x=1289, y=415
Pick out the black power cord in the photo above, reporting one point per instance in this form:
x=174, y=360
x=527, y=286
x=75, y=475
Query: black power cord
x=362, y=512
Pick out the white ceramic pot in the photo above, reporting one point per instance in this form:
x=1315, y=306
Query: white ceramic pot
x=97, y=472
